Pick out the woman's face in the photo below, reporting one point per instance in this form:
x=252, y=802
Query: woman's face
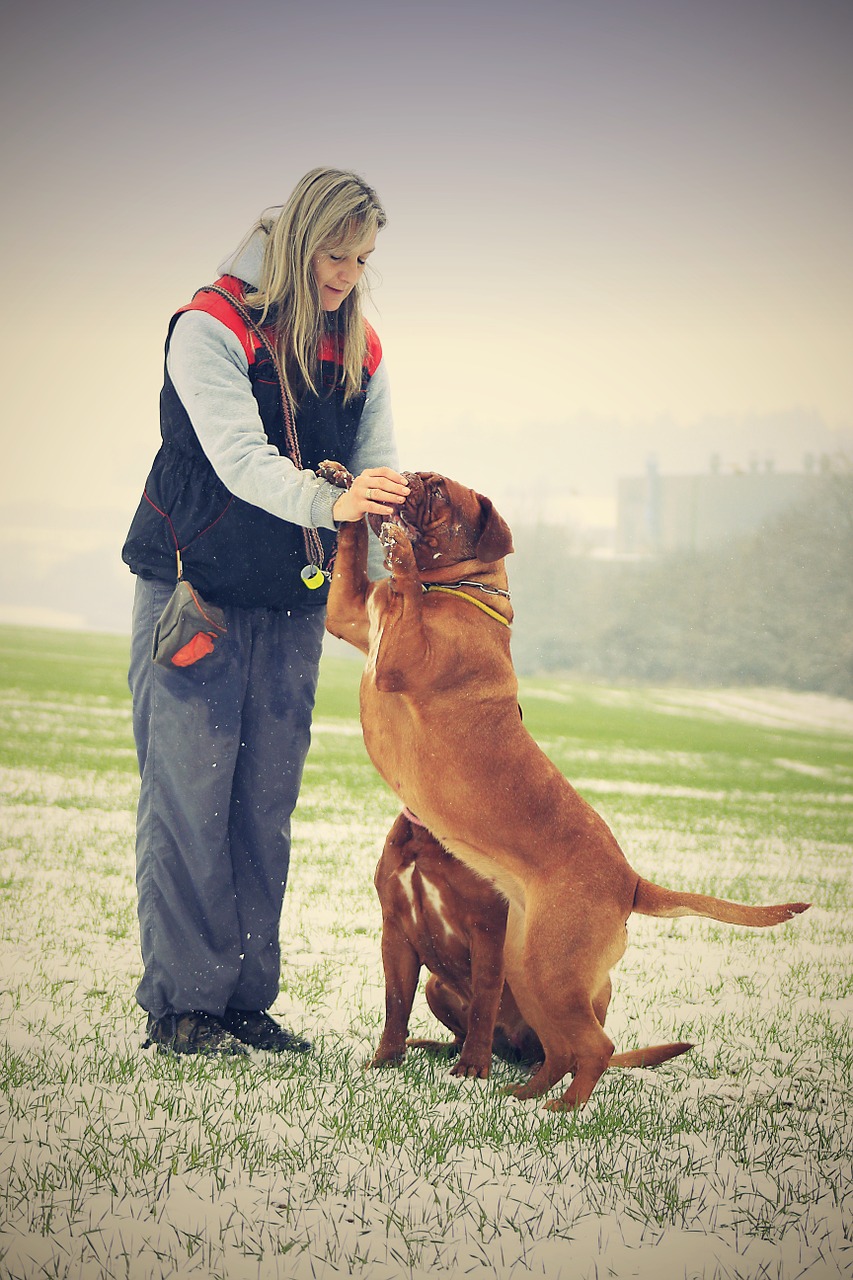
x=338, y=271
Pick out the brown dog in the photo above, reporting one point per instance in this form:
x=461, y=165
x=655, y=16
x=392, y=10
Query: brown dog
x=439, y=711
x=438, y=915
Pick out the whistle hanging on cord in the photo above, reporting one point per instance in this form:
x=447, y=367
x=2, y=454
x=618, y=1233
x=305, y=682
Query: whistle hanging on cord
x=313, y=577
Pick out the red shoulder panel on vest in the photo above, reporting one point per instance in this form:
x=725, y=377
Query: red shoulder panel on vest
x=329, y=349
x=213, y=304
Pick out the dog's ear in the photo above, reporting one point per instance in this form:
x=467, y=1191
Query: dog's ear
x=495, y=540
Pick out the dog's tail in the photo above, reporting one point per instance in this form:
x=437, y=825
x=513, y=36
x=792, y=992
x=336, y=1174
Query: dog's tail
x=653, y=900
x=652, y=1056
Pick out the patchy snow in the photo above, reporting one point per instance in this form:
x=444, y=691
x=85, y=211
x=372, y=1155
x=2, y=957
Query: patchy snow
x=807, y=770
x=629, y=787
x=338, y=728
x=731, y=1162
x=769, y=708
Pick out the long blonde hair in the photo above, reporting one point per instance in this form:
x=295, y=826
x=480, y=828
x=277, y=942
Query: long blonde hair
x=329, y=209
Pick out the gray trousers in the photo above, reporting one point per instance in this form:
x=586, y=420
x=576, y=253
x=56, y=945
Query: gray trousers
x=221, y=749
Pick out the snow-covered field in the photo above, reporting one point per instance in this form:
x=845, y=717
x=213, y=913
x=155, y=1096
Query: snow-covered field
x=732, y=1161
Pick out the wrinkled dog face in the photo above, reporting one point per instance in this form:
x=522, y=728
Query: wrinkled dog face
x=448, y=523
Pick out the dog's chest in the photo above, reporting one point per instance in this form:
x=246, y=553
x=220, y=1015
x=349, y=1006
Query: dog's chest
x=425, y=912
x=375, y=616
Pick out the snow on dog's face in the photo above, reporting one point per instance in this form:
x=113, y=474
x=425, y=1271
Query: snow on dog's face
x=448, y=523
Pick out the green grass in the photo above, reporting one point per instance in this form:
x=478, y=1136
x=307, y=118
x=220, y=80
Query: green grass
x=731, y=1161
x=70, y=664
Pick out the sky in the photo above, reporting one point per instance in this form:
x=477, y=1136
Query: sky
x=615, y=228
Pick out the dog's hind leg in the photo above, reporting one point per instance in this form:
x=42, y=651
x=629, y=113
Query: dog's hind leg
x=451, y=1010
x=575, y=1044
x=601, y=1002
x=561, y=980
x=448, y=1006
x=586, y=1067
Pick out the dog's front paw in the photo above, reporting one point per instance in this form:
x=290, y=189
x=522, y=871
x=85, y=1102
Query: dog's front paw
x=386, y=1057
x=335, y=473
x=397, y=546
x=471, y=1068
x=392, y=535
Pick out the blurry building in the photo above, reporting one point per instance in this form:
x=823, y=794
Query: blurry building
x=659, y=513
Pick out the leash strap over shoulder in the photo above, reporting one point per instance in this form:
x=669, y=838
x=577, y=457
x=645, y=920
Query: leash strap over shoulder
x=313, y=545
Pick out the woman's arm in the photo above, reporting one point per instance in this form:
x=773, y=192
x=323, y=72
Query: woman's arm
x=210, y=373
x=375, y=445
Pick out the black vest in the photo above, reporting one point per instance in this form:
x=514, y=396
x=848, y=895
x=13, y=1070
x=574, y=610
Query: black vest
x=233, y=552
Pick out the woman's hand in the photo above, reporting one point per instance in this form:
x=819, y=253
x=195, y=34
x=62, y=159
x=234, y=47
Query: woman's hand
x=378, y=490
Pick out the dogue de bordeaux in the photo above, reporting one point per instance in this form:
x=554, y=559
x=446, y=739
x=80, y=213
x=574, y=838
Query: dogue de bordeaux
x=439, y=713
x=438, y=915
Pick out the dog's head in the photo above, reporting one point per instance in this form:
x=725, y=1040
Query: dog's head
x=448, y=523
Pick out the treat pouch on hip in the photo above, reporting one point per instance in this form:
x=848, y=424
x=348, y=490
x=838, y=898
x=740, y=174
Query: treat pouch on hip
x=187, y=629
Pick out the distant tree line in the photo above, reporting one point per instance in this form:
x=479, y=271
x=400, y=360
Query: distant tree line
x=771, y=608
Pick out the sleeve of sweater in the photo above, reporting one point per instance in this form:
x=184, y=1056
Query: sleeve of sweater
x=210, y=373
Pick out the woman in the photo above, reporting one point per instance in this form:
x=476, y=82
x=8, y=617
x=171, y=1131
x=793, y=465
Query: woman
x=268, y=372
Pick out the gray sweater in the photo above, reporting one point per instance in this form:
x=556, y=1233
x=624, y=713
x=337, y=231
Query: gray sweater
x=210, y=372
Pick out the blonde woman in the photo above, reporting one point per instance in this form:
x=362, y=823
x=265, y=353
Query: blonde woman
x=269, y=371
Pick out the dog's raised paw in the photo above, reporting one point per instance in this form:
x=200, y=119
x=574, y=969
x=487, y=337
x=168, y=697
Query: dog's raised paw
x=335, y=473
x=397, y=547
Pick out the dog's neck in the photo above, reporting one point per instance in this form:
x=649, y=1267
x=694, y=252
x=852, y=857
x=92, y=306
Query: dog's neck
x=472, y=576
x=491, y=575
